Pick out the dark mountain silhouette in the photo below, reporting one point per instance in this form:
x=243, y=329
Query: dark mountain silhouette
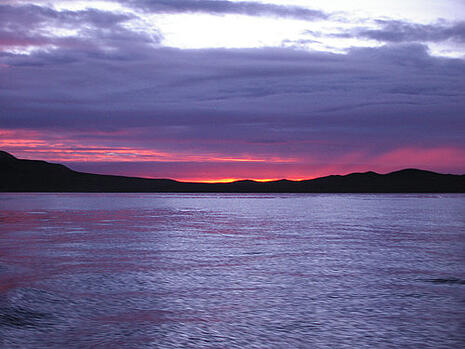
x=18, y=175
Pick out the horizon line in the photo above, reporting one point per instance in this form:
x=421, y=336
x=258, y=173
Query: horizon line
x=235, y=179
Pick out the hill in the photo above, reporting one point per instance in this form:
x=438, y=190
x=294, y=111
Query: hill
x=17, y=175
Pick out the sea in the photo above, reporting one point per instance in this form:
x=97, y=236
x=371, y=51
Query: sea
x=232, y=270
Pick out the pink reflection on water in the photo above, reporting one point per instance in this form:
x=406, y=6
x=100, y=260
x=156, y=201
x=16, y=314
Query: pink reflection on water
x=39, y=245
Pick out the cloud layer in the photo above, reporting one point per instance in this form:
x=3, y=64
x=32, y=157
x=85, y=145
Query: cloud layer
x=221, y=7
x=401, y=31
x=104, y=94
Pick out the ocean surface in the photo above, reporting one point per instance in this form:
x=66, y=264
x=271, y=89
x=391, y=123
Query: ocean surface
x=232, y=271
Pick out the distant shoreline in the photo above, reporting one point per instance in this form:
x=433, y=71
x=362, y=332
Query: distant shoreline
x=35, y=176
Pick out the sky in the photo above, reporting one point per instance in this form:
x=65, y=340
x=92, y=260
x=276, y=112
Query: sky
x=216, y=90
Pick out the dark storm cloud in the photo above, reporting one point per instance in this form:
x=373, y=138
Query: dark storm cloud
x=219, y=7
x=400, y=31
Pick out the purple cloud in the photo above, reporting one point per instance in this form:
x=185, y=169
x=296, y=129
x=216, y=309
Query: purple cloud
x=221, y=7
x=379, y=96
x=395, y=31
x=100, y=32
x=110, y=87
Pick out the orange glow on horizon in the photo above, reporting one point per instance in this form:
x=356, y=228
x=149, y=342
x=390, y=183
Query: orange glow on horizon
x=32, y=145
x=131, y=155
x=230, y=180
x=211, y=167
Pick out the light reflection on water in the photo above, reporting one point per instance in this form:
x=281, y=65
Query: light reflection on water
x=232, y=271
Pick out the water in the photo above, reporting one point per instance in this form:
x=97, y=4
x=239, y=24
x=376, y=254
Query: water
x=232, y=271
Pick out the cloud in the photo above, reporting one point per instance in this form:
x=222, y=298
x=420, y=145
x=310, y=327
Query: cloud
x=100, y=85
x=89, y=32
x=30, y=16
x=394, y=31
x=227, y=101
x=221, y=7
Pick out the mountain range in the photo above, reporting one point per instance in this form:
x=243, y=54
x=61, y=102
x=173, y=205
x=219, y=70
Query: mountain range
x=17, y=175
